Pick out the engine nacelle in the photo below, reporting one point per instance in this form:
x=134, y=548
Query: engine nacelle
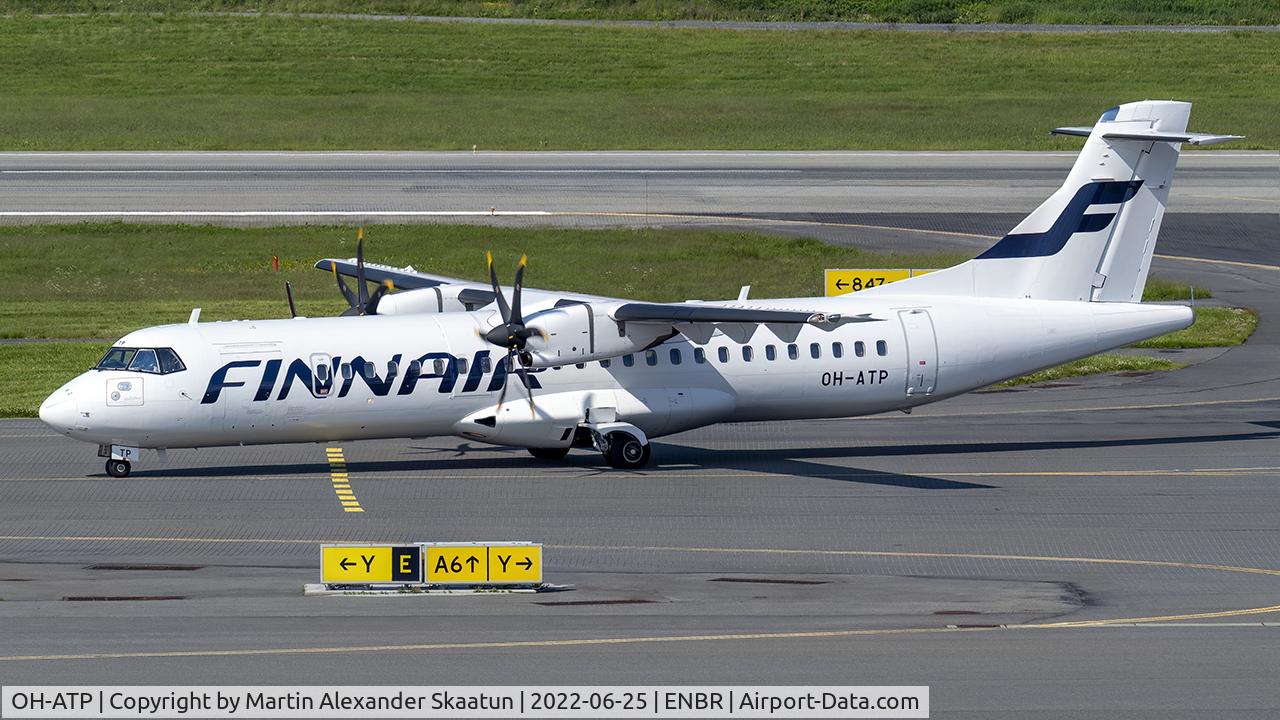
x=582, y=332
x=422, y=300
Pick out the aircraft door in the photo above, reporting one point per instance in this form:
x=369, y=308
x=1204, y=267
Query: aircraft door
x=922, y=351
x=321, y=374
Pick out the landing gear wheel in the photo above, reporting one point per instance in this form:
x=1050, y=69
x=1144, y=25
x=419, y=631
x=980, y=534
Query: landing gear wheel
x=549, y=453
x=626, y=452
x=118, y=468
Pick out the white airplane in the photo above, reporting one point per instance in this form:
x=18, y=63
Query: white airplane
x=436, y=357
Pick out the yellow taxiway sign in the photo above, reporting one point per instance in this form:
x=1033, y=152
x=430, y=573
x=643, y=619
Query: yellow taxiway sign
x=370, y=564
x=841, y=281
x=484, y=564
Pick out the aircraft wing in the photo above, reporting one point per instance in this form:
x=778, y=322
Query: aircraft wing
x=718, y=313
x=405, y=278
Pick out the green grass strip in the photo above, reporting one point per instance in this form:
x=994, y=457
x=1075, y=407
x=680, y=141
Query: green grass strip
x=1096, y=365
x=30, y=371
x=1094, y=12
x=1214, y=327
x=182, y=82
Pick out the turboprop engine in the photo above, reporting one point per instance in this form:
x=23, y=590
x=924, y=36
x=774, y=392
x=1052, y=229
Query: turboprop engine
x=582, y=332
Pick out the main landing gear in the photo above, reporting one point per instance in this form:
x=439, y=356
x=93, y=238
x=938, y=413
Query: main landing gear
x=625, y=451
x=624, y=446
x=118, y=468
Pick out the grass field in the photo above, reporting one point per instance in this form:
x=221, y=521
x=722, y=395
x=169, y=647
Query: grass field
x=29, y=372
x=1096, y=365
x=181, y=82
x=105, y=280
x=1250, y=12
x=1214, y=327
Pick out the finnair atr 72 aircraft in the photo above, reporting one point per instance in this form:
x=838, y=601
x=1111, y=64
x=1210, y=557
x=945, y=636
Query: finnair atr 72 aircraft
x=437, y=356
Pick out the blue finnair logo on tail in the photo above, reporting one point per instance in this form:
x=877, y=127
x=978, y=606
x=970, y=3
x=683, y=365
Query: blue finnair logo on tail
x=1071, y=221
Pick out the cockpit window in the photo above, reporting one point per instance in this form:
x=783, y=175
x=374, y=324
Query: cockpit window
x=116, y=359
x=158, y=361
x=145, y=361
x=169, y=361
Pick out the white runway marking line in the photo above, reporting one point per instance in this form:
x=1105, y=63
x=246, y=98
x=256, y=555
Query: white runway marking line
x=407, y=171
x=341, y=480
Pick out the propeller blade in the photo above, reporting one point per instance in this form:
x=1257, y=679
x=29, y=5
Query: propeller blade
x=516, y=317
x=288, y=293
x=502, y=394
x=371, y=307
x=503, y=308
x=362, y=287
x=528, y=388
x=342, y=285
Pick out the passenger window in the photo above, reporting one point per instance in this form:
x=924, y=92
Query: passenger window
x=859, y=348
x=145, y=361
x=770, y=353
x=699, y=355
x=650, y=357
x=116, y=359
x=723, y=354
x=815, y=351
x=438, y=366
x=793, y=352
x=322, y=374
x=461, y=364
x=675, y=356
x=393, y=369
x=747, y=353
x=486, y=365
x=628, y=360
x=169, y=361
x=368, y=370
x=347, y=372
x=604, y=363
x=882, y=348
x=837, y=350
x=414, y=370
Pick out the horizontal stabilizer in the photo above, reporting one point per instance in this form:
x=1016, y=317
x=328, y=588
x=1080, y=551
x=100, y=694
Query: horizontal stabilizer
x=1151, y=136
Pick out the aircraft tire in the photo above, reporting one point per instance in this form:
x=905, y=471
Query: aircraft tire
x=626, y=452
x=549, y=453
x=118, y=468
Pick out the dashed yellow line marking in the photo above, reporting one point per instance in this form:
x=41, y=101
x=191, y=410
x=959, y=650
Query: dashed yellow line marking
x=342, y=481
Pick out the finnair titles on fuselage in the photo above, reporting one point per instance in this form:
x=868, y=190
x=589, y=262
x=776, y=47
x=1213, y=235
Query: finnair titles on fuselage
x=437, y=355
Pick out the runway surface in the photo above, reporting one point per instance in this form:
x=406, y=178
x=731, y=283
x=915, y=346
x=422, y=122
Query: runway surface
x=1106, y=547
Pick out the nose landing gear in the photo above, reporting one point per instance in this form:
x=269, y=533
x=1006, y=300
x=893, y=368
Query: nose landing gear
x=118, y=468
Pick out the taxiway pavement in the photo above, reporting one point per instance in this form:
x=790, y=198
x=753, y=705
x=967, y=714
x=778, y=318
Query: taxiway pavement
x=1106, y=547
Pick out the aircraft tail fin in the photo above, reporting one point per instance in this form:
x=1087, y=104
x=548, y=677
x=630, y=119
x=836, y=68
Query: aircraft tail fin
x=1093, y=239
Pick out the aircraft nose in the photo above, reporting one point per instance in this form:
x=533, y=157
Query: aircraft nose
x=58, y=411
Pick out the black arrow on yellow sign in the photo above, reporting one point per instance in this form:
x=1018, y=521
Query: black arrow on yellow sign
x=527, y=564
x=472, y=561
x=346, y=564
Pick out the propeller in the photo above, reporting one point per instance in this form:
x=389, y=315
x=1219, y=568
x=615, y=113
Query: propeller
x=360, y=302
x=512, y=334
